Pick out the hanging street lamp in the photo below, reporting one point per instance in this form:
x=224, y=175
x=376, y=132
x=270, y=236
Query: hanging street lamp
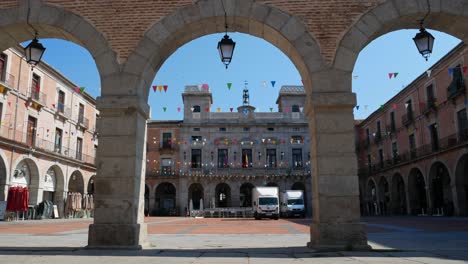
x=226, y=46
x=34, y=51
x=424, y=40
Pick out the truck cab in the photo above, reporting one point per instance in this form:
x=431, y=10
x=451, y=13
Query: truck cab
x=265, y=202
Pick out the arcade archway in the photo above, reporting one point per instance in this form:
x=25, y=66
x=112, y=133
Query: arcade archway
x=223, y=195
x=165, y=199
x=398, y=195
x=196, y=193
x=246, y=194
x=441, y=190
x=461, y=180
x=417, y=192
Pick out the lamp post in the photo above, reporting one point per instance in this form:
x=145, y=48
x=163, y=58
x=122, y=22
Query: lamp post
x=226, y=46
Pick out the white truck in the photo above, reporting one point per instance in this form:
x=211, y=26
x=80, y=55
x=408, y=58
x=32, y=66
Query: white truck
x=292, y=203
x=265, y=202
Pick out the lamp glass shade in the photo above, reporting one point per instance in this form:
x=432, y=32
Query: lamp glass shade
x=33, y=52
x=424, y=42
x=226, y=49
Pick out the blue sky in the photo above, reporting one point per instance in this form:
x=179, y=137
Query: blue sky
x=256, y=61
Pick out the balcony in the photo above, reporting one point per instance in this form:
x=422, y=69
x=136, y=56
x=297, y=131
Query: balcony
x=377, y=138
x=407, y=119
x=457, y=86
x=391, y=128
x=430, y=106
x=7, y=83
x=63, y=111
x=36, y=98
x=167, y=146
x=83, y=122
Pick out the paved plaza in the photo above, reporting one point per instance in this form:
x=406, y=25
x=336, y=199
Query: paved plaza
x=229, y=240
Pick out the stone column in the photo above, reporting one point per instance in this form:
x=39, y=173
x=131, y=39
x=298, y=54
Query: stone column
x=119, y=182
x=335, y=188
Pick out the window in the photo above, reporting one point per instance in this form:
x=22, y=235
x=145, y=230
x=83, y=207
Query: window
x=31, y=131
x=394, y=151
x=381, y=158
x=196, y=158
x=196, y=129
x=61, y=102
x=296, y=139
x=296, y=129
x=430, y=95
x=3, y=66
x=223, y=161
x=79, y=148
x=295, y=109
x=166, y=166
x=35, y=86
x=434, y=137
x=246, y=129
x=271, y=158
x=222, y=129
x=167, y=141
x=246, y=158
x=196, y=138
x=392, y=121
x=457, y=83
x=462, y=124
x=297, y=158
x=367, y=136
x=412, y=145
x=409, y=109
x=271, y=129
x=196, y=109
x=58, y=140
x=81, y=114
x=378, y=134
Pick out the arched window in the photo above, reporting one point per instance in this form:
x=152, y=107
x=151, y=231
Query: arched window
x=196, y=109
x=295, y=109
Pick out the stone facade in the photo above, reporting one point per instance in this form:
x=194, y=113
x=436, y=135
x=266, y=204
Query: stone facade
x=47, y=132
x=413, y=153
x=220, y=156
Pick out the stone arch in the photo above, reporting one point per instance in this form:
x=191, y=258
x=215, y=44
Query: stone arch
x=446, y=16
x=56, y=22
x=223, y=195
x=165, y=198
x=26, y=173
x=440, y=189
x=417, y=192
x=383, y=195
x=3, y=176
x=90, y=187
x=76, y=182
x=398, y=195
x=245, y=194
x=371, y=197
x=196, y=192
x=57, y=195
x=461, y=184
x=288, y=33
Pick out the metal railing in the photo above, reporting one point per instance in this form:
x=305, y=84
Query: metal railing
x=64, y=110
x=168, y=145
x=37, y=96
x=443, y=144
x=83, y=121
x=407, y=118
x=430, y=105
x=34, y=140
x=7, y=80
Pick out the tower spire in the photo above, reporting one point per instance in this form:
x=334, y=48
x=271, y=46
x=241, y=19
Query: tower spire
x=246, y=94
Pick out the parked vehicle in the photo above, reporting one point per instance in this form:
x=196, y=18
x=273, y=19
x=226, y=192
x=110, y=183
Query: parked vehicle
x=292, y=203
x=265, y=202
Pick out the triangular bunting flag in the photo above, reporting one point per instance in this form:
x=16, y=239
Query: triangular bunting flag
x=381, y=106
x=82, y=89
x=192, y=108
x=273, y=83
x=466, y=101
x=301, y=109
x=271, y=109
x=9, y=103
x=357, y=107
x=205, y=86
x=165, y=88
x=395, y=74
x=394, y=106
x=355, y=77
x=406, y=105
x=429, y=73
x=155, y=88
x=160, y=88
x=231, y=109
x=199, y=86
x=53, y=105
x=229, y=85
x=264, y=84
x=164, y=109
x=77, y=89
x=390, y=75
x=421, y=104
x=207, y=109
x=450, y=71
x=218, y=109
x=178, y=109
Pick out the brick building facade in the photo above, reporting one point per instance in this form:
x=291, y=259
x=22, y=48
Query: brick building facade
x=220, y=156
x=47, y=132
x=413, y=152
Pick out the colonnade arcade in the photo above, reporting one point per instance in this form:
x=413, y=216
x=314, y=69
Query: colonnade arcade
x=325, y=66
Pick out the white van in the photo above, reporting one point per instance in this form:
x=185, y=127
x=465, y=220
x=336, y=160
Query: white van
x=292, y=203
x=265, y=202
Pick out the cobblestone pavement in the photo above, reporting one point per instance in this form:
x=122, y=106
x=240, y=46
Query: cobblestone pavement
x=188, y=240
